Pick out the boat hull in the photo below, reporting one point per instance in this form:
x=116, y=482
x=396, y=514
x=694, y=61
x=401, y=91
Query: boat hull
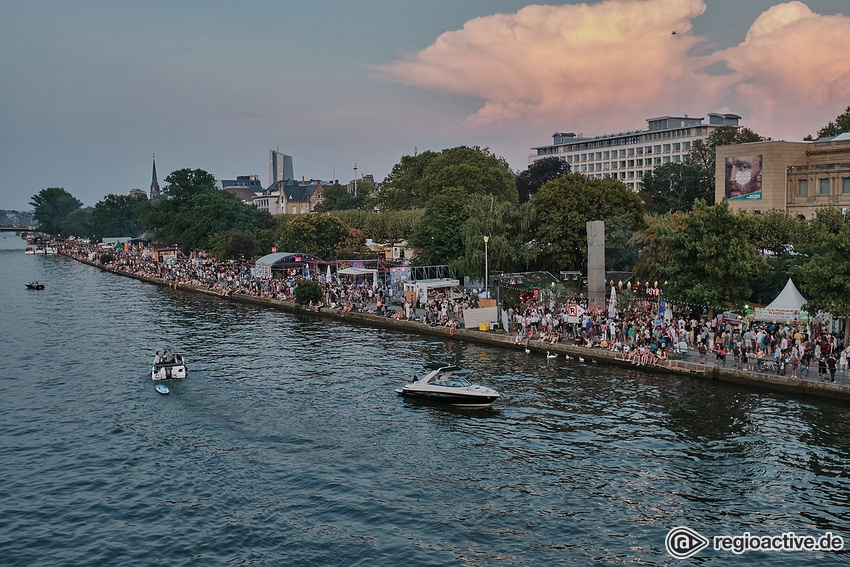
x=168, y=371
x=452, y=398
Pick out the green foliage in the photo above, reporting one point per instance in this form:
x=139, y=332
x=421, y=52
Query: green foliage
x=233, y=244
x=52, y=206
x=194, y=209
x=384, y=226
x=505, y=225
x=415, y=180
x=838, y=126
x=307, y=291
x=337, y=197
x=825, y=278
x=541, y=171
x=563, y=208
x=773, y=230
x=106, y=259
x=78, y=223
x=653, y=253
x=675, y=187
x=320, y=234
x=439, y=238
x=119, y=215
x=709, y=257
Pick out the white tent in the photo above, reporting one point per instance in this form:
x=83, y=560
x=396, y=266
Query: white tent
x=787, y=306
x=360, y=272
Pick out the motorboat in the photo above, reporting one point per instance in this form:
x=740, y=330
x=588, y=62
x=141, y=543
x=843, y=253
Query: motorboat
x=441, y=384
x=167, y=366
x=35, y=285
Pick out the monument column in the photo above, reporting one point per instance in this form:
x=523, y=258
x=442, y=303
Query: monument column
x=596, y=266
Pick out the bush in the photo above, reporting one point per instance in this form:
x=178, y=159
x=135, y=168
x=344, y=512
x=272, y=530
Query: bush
x=106, y=258
x=307, y=291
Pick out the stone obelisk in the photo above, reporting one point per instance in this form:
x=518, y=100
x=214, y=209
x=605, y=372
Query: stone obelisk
x=596, y=265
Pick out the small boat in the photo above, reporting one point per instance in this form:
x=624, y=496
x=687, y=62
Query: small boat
x=167, y=366
x=440, y=384
x=162, y=389
x=35, y=285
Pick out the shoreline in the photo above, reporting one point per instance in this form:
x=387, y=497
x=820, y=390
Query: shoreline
x=694, y=370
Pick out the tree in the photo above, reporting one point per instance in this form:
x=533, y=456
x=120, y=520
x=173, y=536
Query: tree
x=416, y=180
x=233, y=244
x=840, y=125
x=653, y=253
x=563, y=208
x=194, y=209
x=119, y=215
x=439, y=238
x=338, y=198
x=385, y=226
x=825, y=277
x=51, y=206
x=532, y=179
x=675, y=187
x=78, y=223
x=320, y=234
x=709, y=257
x=505, y=225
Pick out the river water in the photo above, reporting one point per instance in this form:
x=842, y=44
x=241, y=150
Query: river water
x=287, y=444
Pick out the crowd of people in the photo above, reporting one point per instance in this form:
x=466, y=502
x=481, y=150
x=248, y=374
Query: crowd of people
x=643, y=336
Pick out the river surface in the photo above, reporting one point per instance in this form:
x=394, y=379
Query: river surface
x=287, y=445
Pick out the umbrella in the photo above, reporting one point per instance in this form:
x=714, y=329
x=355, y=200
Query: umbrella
x=612, y=303
x=329, y=273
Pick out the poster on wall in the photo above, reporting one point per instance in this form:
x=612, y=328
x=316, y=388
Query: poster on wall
x=743, y=177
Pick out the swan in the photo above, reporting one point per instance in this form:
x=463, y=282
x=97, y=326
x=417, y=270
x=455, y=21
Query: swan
x=551, y=355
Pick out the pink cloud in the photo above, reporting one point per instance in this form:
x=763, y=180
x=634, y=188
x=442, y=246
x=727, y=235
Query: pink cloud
x=606, y=65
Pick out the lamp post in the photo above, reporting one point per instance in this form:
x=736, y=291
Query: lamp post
x=486, y=268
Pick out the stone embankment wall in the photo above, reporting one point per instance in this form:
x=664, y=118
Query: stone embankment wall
x=694, y=370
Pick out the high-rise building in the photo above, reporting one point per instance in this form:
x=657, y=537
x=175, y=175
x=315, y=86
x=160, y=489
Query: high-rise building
x=154, y=183
x=626, y=156
x=280, y=167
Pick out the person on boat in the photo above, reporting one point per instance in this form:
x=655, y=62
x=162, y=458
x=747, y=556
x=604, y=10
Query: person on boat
x=156, y=358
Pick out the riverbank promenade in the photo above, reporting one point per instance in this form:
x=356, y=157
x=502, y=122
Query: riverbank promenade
x=717, y=371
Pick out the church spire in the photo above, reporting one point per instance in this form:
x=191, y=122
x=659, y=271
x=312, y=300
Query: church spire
x=154, y=183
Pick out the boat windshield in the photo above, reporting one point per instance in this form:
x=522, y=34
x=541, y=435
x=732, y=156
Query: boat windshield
x=452, y=381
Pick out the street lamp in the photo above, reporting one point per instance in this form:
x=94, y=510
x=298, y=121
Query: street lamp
x=486, y=268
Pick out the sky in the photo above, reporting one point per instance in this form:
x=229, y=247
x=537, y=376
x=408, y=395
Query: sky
x=90, y=90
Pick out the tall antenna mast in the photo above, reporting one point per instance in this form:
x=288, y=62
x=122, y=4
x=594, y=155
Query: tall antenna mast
x=355, y=174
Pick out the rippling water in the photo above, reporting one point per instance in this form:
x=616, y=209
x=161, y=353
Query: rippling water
x=287, y=445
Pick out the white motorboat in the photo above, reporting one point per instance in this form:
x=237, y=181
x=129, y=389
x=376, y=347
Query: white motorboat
x=440, y=384
x=167, y=366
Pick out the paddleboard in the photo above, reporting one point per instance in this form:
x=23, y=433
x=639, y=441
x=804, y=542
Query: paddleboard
x=162, y=388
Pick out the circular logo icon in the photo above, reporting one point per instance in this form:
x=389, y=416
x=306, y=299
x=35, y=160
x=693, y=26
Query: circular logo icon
x=682, y=542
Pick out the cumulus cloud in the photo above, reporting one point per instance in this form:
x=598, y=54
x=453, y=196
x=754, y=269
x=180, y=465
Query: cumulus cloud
x=792, y=68
x=598, y=66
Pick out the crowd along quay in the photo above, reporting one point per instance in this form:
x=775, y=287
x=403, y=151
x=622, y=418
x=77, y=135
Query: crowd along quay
x=129, y=264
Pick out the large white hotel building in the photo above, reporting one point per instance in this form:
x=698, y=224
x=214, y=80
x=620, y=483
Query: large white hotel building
x=628, y=155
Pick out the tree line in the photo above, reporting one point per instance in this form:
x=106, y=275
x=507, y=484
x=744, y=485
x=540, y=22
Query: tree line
x=445, y=203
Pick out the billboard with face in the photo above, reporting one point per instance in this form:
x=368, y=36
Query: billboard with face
x=743, y=177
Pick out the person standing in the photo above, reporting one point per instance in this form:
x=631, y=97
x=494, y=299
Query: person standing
x=831, y=364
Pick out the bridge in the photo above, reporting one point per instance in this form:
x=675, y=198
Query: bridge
x=17, y=229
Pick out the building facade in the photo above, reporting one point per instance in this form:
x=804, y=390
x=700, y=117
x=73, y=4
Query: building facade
x=291, y=197
x=796, y=177
x=280, y=167
x=626, y=156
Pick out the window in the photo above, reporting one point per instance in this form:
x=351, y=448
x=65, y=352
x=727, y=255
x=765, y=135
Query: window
x=666, y=148
x=658, y=161
x=640, y=151
x=686, y=145
x=657, y=149
x=804, y=188
x=677, y=147
x=845, y=185
x=823, y=184
x=631, y=152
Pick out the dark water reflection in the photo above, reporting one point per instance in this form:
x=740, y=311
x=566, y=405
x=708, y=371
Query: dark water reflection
x=288, y=446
